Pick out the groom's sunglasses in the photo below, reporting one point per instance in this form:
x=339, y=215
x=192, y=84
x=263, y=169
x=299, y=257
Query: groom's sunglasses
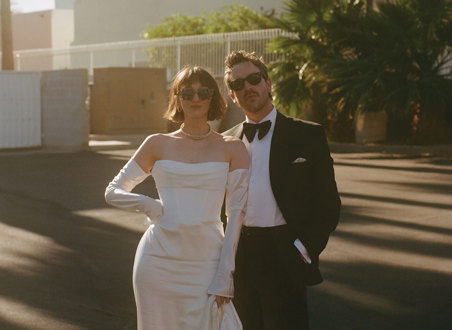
x=238, y=84
x=189, y=94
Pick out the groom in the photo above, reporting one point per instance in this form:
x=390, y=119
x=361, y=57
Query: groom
x=293, y=203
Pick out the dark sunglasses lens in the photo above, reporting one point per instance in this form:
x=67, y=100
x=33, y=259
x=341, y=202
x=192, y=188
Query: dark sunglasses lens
x=237, y=84
x=254, y=78
x=205, y=94
x=187, y=94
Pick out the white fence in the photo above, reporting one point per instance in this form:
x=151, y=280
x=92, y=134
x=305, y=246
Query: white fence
x=207, y=50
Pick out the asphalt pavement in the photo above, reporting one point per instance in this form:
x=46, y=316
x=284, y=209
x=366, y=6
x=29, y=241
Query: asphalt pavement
x=66, y=257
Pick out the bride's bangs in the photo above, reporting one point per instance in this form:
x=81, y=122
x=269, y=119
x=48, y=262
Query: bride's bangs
x=195, y=74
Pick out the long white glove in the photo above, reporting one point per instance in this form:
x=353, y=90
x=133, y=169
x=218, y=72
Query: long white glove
x=118, y=192
x=236, y=196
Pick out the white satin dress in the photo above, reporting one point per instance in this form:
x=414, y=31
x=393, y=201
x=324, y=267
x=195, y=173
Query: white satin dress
x=178, y=257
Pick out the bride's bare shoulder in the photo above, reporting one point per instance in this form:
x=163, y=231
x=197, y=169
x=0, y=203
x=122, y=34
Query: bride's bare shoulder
x=159, y=138
x=155, y=142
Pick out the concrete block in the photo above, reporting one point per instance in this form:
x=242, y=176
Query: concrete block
x=20, y=110
x=65, y=117
x=128, y=100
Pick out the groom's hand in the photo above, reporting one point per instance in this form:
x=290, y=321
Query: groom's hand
x=222, y=300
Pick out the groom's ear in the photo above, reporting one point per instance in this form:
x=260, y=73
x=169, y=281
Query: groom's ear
x=269, y=84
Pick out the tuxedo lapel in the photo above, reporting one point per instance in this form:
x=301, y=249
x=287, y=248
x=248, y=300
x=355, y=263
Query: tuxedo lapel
x=236, y=131
x=278, y=151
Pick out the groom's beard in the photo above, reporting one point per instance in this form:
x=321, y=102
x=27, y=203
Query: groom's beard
x=255, y=105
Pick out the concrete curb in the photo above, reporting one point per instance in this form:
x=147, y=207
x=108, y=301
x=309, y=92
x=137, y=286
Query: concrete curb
x=133, y=141
x=414, y=150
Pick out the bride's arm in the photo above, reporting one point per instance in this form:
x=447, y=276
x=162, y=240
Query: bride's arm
x=236, y=196
x=118, y=192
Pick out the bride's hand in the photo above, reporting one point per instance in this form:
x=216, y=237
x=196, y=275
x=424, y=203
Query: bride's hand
x=222, y=300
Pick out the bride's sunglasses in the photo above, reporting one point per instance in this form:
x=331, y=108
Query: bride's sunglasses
x=189, y=94
x=238, y=84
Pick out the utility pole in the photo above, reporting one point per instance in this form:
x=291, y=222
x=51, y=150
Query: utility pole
x=369, y=6
x=7, y=36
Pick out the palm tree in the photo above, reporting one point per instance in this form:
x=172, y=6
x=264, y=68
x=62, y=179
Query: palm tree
x=369, y=5
x=298, y=78
x=7, y=39
x=304, y=20
x=396, y=59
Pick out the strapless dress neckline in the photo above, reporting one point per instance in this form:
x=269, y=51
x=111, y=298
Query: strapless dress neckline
x=187, y=163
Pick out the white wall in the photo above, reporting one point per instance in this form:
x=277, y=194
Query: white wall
x=43, y=29
x=20, y=109
x=62, y=30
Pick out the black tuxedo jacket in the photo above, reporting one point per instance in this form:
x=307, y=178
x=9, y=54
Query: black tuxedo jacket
x=305, y=191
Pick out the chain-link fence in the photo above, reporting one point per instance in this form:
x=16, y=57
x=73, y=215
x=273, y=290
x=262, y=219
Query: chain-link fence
x=207, y=50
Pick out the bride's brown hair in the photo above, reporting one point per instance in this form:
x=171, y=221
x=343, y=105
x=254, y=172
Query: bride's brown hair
x=186, y=77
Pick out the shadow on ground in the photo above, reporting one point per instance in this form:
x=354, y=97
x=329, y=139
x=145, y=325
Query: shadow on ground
x=59, y=267
x=66, y=257
x=388, y=264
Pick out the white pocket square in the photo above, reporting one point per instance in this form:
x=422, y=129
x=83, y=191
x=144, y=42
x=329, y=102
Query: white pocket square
x=299, y=160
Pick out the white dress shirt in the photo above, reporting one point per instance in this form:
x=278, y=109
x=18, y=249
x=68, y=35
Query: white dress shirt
x=262, y=209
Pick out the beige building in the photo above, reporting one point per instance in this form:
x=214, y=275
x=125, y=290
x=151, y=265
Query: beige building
x=99, y=21
x=43, y=29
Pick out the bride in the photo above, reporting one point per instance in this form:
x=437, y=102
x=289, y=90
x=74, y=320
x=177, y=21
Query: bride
x=184, y=256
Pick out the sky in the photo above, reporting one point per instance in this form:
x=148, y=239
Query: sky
x=26, y=6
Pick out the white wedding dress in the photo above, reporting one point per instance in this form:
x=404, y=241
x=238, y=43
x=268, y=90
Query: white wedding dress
x=184, y=255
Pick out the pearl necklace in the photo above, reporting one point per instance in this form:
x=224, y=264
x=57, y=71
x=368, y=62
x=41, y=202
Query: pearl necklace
x=193, y=136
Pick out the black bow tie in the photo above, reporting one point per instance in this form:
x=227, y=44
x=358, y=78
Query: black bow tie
x=250, y=130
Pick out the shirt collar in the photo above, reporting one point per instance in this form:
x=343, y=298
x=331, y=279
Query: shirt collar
x=271, y=116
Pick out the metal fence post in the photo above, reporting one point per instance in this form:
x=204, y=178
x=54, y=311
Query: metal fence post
x=178, y=56
x=18, y=62
x=91, y=62
x=228, y=46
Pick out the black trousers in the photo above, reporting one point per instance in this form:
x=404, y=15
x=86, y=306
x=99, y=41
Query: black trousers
x=270, y=293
